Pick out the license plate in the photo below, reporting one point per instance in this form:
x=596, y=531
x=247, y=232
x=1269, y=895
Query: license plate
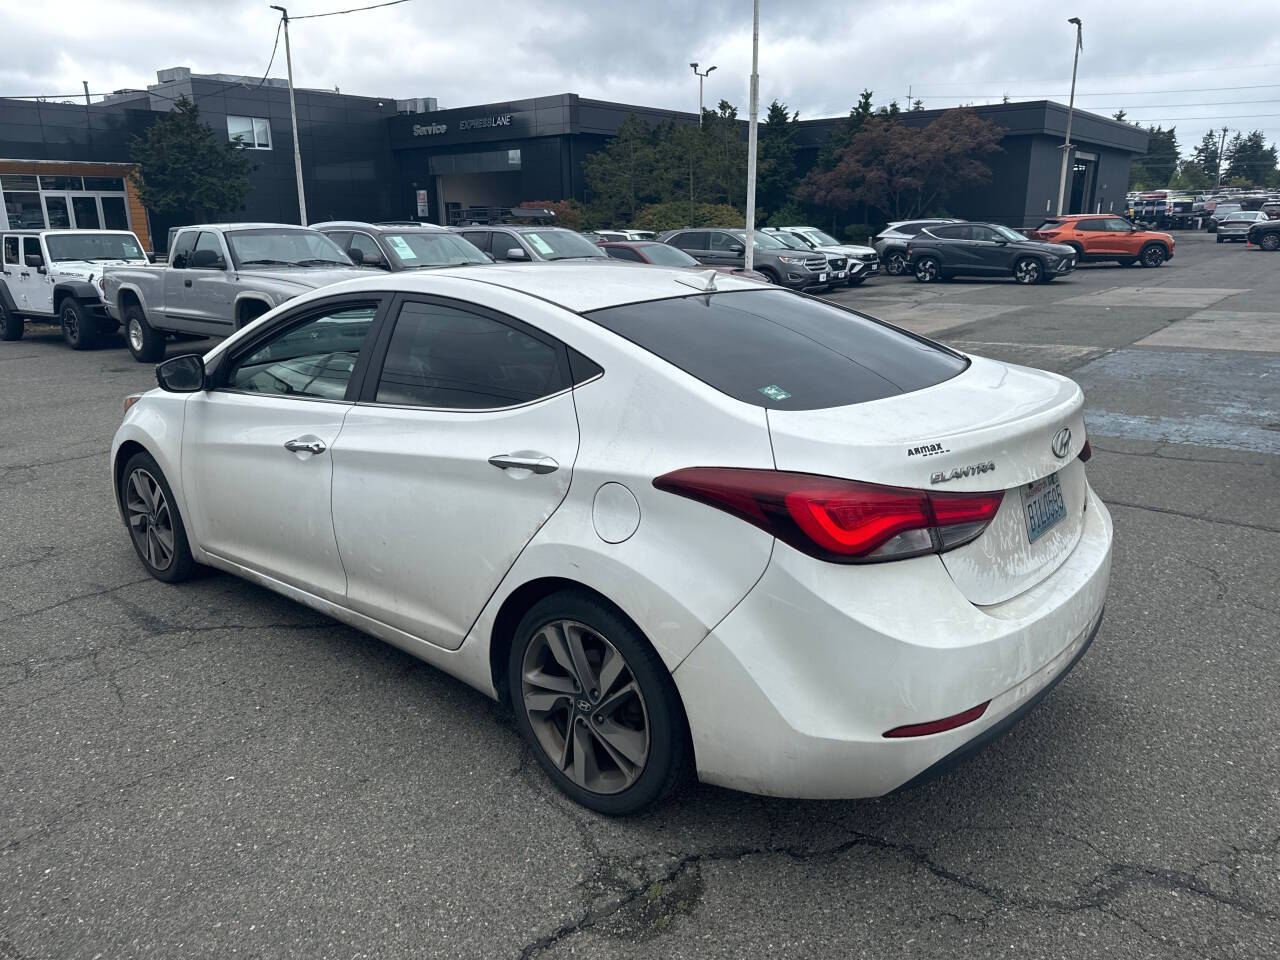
x=1043, y=504
x=840, y=274
x=822, y=278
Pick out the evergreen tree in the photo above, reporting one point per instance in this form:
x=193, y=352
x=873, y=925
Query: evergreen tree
x=1249, y=158
x=776, y=162
x=1161, y=162
x=185, y=171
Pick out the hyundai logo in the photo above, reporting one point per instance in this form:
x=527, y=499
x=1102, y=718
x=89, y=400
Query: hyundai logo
x=1061, y=443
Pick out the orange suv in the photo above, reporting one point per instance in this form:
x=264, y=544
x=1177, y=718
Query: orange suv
x=1105, y=236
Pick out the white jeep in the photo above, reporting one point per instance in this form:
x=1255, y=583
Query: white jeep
x=55, y=276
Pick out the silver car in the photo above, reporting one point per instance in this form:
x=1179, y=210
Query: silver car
x=891, y=242
x=1236, y=225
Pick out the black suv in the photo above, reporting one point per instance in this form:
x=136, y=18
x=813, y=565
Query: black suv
x=1266, y=234
x=727, y=247
x=985, y=249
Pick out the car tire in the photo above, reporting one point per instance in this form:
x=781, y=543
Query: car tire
x=155, y=526
x=12, y=326
x=79, y=329
x=145, y=342
x=1270, y=241
x=895, y=264
x=928, y=270
x=1221, y=239
x=1028, y=270
x=1152, y=255
x=637, y=746
x=769, y=274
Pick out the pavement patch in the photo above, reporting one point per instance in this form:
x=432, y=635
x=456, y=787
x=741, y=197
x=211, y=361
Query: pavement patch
x=1221, y=330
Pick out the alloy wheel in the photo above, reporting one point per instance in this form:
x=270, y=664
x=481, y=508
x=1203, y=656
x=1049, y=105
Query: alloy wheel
x=1153, y=256
x=70, y=324
x=150, y=520
x=927, y=270
x=585, y=706
x=135, y=334
x=1270, y=242
x=896, y=265
x=1027, y=271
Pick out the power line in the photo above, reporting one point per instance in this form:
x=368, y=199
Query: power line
x=1220, y=116
x=335, y=13
x=1100, y=93
x=1161, y=106
x=1107, y=76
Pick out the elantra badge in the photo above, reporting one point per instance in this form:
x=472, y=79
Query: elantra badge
x=1061, y=443
x=957, y=473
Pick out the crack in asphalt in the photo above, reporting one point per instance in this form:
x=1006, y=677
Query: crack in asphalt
x=1192, y=516
x=1157, y=455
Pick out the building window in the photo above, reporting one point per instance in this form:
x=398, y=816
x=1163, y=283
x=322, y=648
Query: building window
x=254, y=133
x=32, y=202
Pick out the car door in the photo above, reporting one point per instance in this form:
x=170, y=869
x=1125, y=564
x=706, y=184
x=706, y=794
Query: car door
x=209, y=292
x=696, y=243
x=985, y=252
x=176, y=280
x=726, y=250
x=38, y=281
x=501, y=243
x=1095, y=237
x=16, y=272
x=256, y=449
x=461, y=447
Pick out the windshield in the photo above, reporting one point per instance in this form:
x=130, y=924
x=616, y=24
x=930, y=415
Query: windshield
x=561, y=245
x=821, y=239
x=665, y=255
x=790, y=240
x=767, y=241
x=94, y=246
x=423, y=249
x=282, y=247
x=1226, y=208
x=1006, y=233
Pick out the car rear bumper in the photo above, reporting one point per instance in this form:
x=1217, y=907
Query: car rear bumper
x=791, y=694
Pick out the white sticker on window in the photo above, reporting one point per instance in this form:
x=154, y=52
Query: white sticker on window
x=539, y=244
x=402, y=249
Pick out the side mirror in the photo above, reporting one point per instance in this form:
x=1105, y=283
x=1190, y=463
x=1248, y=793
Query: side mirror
x=517, y=253
x=179, y=262
x=737, y=248
x=35, y=260
x=206, y=260
x=183, y=374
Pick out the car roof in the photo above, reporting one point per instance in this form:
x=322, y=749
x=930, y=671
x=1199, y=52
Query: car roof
x=579, y=286
x=377, y=227
x=241, y=226
x=65, y=232
x=1082, y=216
x=517, y=227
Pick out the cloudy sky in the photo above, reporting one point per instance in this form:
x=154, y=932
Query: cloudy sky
x=1166, y=62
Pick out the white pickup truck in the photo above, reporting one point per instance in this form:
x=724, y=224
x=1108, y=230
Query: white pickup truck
x=220, y=277
x=54, y=276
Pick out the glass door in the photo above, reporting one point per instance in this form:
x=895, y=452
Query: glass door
x=57, y=211
x=86, y=213
x=114, y=215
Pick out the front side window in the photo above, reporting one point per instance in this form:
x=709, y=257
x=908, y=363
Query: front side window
x=725, y=242
x=285, y=247
x=1005, y=233
x=312, y=359
x=445, y=357
x=207, y=254
x=253, y=133
x=502, y=244
x=367, y=248
x=31, y=248
x=770, y=348
x=94, y=246
x=1118, y=225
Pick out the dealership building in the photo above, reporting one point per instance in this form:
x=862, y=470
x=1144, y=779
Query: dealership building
x=66, y=164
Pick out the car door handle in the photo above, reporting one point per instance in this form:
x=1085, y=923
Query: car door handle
x=535, y=464
x=306, y=444
x=186, y=283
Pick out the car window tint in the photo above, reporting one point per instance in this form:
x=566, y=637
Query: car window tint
x=209, y=244
x=1050, y=225
x=501, y=242
x=11, y=250
x=477, y=238
x=958, y=231
x=182, y=247
x=367, y=248
x=757, y=346
x=314, y=358
x=30, y=248
x=979, y=232
x=624, y=253
x=688, y=241
x=725, y=242
x=445, y=357
x=1092, y=226
x=1118, y=225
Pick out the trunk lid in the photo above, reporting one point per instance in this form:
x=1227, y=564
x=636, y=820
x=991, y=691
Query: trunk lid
x=992, y=427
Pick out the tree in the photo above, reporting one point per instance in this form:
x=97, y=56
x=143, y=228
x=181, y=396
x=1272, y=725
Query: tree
x=917, y=106
x=904, y=172
x=776, y=161
x=673, y=214
x=1161, y=162
x=185, y=170
x=1119, y=115
x=843, y=132
x=619, y=178
x=1249, y=158
x=569, y=213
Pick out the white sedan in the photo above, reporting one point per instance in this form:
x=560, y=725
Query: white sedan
x=677, y=520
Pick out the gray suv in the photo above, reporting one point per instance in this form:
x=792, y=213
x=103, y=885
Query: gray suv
x=516, y=244
x=717, y=247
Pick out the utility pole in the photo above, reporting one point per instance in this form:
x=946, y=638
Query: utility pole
x=1071, y=106
x=1222, y=145
x=293, y=116
x=749, y=252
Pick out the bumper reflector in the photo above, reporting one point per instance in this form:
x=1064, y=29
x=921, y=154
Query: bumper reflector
x=938, y=726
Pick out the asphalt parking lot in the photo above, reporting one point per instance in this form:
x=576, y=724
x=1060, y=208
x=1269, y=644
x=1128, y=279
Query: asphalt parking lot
x=214, y=771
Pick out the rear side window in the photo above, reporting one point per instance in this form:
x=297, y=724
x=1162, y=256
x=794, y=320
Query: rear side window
x=11, y=250
x=959, y=231
x=688, y=241
x=624, y=253
x=771, y=348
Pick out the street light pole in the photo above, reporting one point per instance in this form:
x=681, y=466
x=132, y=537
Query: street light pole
x=749, y=252
x=293, y=116
x=701, y=77
x=1071, y=106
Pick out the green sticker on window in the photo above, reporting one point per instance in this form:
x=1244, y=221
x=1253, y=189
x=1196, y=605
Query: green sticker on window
x=774, y=392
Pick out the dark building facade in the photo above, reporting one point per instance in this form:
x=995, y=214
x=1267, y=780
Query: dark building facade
x=375, y=158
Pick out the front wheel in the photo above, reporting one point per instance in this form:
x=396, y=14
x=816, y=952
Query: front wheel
x=895, y=264
x=1153, y=255
x=596, y=704
x=769, y=274
x=1028, y=270
x=155, y=525
x=145, y=342
x=928, y=269
x=11, y=326
x=1270, y=242
x=79, y=330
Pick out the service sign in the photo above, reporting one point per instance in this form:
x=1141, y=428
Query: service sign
x=501, y=120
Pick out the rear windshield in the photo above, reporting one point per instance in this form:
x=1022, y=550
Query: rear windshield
x=1050, y=225
x=772, y=348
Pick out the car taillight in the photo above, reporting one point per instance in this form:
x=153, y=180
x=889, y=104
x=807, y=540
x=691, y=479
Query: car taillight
x=844, y=521
x=1086, y=451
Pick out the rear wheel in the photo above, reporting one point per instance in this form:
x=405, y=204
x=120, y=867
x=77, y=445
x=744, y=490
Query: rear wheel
x=79, y=329
x=12, y=326
x=1270, y=241
x=596, y=704
x=895, y=264
x=1028, y=270
x=155, y=526
x=145, y=343
x=1152, y=255
x=928, y=269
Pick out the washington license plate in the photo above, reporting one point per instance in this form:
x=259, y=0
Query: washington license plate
x=1043, y=504
x=822, y=278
